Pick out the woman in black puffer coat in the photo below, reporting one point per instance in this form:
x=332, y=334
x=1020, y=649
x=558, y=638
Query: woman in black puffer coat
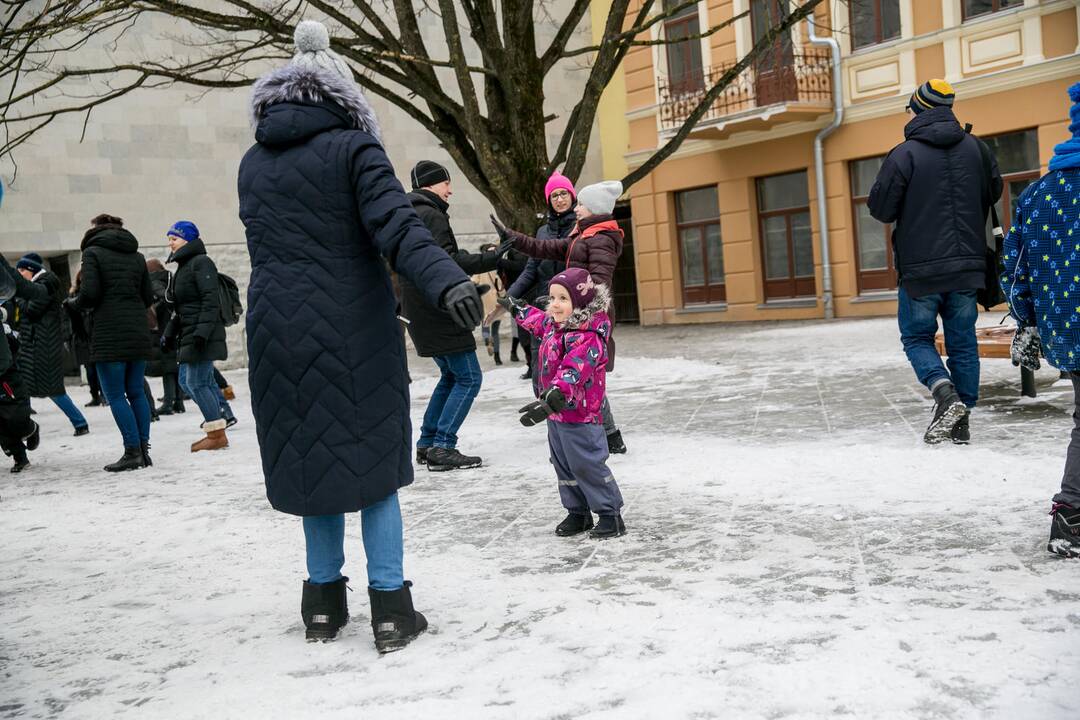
x=116, y=288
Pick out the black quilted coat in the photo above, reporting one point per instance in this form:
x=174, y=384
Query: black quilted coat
x=197, y=303
x=41, y=340
x=162, y=362
x=116, y=289
x=322, y=208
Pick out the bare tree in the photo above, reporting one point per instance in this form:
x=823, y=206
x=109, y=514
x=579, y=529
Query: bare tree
x=488, y=113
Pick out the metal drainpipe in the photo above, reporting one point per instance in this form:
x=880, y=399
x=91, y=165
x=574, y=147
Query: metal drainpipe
x=819, y=163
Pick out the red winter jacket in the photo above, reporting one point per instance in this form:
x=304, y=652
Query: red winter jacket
x=595, y=245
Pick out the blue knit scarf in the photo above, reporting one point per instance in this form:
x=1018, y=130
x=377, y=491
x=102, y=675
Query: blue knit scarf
x=1067, y=154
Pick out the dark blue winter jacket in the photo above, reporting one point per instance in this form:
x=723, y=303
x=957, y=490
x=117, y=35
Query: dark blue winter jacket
x=1042, y=265
x=936, y=189
x=322, y=208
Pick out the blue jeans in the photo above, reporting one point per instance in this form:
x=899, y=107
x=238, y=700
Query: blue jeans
x=917, y=318
x=197, y=380
x=383, y=545
x=451, y=400
x=65, y=403
x=122, y=385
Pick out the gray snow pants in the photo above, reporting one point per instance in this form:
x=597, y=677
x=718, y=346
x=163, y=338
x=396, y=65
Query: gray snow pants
x=579, y=453
x=1070, y=483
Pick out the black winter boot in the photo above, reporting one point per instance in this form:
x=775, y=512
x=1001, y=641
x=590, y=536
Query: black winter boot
x=498, y=360
x=178, y=406
x=146, y=455
x=948, y=410
x=80, y=431
x=21, y=461
x=132, y=460
x=34, y=438
x=393, y=619
x=95, y=401
x=1064, y=531
x=961, y=432
x=608, y=526
x=574, y=524
x=421, y=455
x=164, y=409
x=325, y=609
x=615, y=444
x=443, y=459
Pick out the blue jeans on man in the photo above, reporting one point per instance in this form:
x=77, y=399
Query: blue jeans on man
x=383, y=544
x=918, y=320
x=67, y=405
x=451, y=400
x=122, y=385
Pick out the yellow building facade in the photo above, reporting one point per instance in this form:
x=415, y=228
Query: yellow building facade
x=727, y=228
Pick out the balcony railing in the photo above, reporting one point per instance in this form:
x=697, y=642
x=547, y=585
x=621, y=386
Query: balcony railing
x=801, y=77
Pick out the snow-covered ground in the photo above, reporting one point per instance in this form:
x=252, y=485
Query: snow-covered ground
x=794, y=551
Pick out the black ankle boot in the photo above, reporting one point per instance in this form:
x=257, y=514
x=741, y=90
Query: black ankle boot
x=608, y=526
x=325, y=609
x=34, y=438
x=948, y=411
x=132, y=460
x=574, y=524
x=393, y=619
x=146, y=455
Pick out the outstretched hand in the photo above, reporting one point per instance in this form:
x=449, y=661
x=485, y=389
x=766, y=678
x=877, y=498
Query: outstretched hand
x=550, y=402
x=504, y=235
x=462, y=301
x=512, y=304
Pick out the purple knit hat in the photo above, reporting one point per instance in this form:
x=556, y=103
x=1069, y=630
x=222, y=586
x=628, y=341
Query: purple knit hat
x=579, y=284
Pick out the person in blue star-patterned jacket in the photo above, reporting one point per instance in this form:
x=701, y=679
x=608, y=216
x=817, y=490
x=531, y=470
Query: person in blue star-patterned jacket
x=1042, y=283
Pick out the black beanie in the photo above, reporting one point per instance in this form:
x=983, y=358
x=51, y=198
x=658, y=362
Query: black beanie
x=428, y=173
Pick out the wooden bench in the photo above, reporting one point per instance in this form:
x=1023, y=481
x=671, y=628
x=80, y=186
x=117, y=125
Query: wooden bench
x=995, y=342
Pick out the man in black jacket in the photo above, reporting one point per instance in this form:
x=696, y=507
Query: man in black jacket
x=437, y=336
x=938, y=187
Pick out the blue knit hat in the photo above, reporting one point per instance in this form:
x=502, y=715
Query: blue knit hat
x=184, y=230
x=30, y=261
x=931, y=94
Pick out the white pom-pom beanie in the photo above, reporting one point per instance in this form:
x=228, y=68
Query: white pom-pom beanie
x=601, y=197
x=312, y=41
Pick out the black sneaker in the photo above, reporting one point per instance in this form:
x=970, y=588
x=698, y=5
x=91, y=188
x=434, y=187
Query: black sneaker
x=608, y=526
x=961, y=432
x=615, y=444
x=1064, y=531
x=948, y=411
x=574, y=524
x=80, y=431
x=325, y=609
x=443, y=459
x=421, y=455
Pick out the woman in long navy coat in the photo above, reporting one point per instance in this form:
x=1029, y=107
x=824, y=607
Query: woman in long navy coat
x=324, y=214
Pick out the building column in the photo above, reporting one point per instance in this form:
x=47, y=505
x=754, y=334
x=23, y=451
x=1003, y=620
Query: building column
x=952, y=16
x=1032, y=34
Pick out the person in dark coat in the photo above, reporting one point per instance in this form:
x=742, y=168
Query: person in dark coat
x=938, y=186
x=197, y=329
x=163, y=362
x=434, y=333
x=328, y=376
x=79, y=326
x=41, y=341
x=116, y=289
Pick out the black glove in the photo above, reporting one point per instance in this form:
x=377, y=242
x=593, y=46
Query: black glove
x=1025, y=348
x=504, y=235
x=513, y=305
x=200, y=343
x=463, y=303
x=506, y=247
x=550, y=402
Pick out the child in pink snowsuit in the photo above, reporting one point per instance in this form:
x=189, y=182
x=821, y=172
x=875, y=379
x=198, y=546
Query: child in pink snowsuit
x=574, y=334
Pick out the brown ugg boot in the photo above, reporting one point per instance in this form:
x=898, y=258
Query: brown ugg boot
x=215, y=437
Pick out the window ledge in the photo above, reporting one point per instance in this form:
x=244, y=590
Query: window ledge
x=703, y=308
x=788, y=303
x=874, y=47
x=870, y=297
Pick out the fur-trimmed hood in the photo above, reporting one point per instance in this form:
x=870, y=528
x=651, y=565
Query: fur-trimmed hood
x=581, y=317
x=315, y=89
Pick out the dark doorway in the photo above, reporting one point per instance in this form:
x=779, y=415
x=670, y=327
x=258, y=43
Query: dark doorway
x=624, y=280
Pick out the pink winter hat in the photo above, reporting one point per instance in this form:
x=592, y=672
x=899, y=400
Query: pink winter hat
x=558, y=181
x=579, y=284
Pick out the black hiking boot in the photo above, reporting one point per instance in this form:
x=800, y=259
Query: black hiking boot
x=608, y=526
x=961, y=432
x=393, y=619
x=21, y=463
x=34, y=438
x=1064, y=531
x=615, y=444
x=146, y=455
x=80, y=431
x=948, y=410
x=443, y=459
x=325, y=609
x=421, y=455
x=132, y=460
x=164, y=409
x=574, y=524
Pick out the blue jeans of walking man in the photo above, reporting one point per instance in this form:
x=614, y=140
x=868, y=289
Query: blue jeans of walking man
x=451, y=400
x=67, y=405
x=918, y=320
x=383, y=545
x=122, y=385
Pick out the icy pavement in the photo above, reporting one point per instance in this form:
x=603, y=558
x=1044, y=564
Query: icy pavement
x=794, y=551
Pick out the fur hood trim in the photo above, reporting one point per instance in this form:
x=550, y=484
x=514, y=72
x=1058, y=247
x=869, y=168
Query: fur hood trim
x=581, y=317
x=292, y=83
